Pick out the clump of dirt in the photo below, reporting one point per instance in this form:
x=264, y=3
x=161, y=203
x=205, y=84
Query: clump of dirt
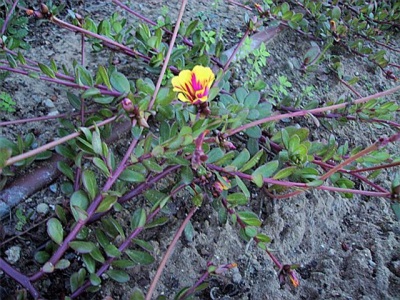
x=346, y=248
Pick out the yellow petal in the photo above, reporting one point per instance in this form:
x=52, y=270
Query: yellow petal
x=183, y=98
x=204, y=75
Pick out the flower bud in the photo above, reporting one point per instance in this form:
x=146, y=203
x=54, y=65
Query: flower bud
x=44, y=9
x=229, y=146
x=127, y=105
x=38, y=14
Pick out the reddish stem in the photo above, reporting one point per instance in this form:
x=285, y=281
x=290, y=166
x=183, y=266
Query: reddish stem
x=169, y=252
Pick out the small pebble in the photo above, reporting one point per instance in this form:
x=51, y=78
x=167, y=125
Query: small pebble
x=371, y=263
x=237, y=277
x=42, y=208
x=53, y=188
x=13, y=254
x=53, y=113
x=48, y=103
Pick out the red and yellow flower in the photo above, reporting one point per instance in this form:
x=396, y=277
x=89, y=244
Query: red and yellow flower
x=194, y=86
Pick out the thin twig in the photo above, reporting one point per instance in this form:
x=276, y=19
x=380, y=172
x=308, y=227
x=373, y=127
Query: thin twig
x=167, y=57
x=169, y=252
x=8, y=17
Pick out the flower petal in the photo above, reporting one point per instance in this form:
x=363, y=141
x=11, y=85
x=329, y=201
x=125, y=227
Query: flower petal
x=193, y=86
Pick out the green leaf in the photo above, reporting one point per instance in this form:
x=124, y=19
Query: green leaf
x=241, y=94
x=83, y=76
x=214, y=155
x=107, y=203
x=140, y=257
x=82, y=247
x=132, y=176
x=64, y=168
x=112, y=251
x=123, y=264
x=138, y=218
x=90, y=184
x=286, y=172
x=55, y=230
x=102, y=72
x=74, y=100
x=266, y=170
x=315, y=183
x=137, y=294
x=152, y=166
x=249, y=218
x=157, y=222
x=335, y=13
x=165, y=96
x=94, y=279
x=41, y=257
x=120, y=83
x=5, y=154
x=77, y=279
x=241, y=159
x=65, y=151
x=96, y=142
x=47, y=70
x=91, y=92
x=118, y=275
x=250, y=231
x=78, y=200
x=396, y=210
x=98, y=162
x=191, y=27
x=62, y=264
x=96, y=254
x=236, y=199
x=48, y=267
x=252, y=162
x=242, y=186
x=189, y=231
x=186, y=175
x=89, y=262
x=254, y=132
x=252, y=99
x=263, y=238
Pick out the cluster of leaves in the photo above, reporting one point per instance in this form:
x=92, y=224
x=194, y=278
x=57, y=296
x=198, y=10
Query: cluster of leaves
x=7, y=104
x=17, y=29
x=355, y=26
x=238, y=147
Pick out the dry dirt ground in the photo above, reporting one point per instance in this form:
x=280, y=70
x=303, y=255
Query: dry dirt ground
x=347, y=248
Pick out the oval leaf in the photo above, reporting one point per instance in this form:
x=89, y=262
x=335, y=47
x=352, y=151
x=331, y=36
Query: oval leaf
x=55, y=230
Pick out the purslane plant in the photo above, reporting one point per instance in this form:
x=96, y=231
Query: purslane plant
x=191, y=129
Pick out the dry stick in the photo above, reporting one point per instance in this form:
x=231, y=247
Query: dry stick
x=45, y=118
x=348, y=117
x=185, y=40
x=8, y=17
x=167, y=57
x=233, y=55
x=47, y=172
x=173, y=38
x=311, y=111
x=243, y=225
x=297, y=184
x=169, y=252
x=60, y=79
x=90, y=212
x=121, y=249
x=381, y=167
x=367, y=150
x=50, y=145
